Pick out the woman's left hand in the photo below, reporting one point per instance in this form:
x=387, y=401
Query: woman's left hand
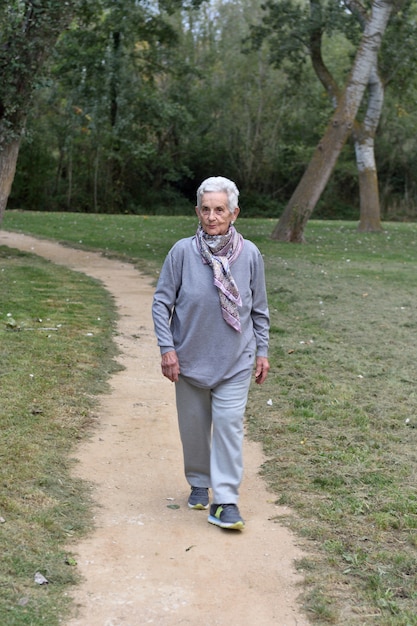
x=261, y=370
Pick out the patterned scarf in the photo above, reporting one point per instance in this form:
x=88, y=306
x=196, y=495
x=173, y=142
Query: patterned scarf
x=219, y=251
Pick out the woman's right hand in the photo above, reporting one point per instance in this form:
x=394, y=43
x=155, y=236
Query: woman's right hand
x=170, y=366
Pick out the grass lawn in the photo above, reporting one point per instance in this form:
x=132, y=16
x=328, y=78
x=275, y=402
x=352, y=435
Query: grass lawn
x=336, y=418
x=57, y=350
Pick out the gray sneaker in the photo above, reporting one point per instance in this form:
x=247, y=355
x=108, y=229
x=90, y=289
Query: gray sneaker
x=226, y=516
x=199, y=498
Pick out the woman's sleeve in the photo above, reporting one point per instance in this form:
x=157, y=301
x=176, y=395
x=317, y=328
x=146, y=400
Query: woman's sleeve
x=164, y=302
x=260, y=311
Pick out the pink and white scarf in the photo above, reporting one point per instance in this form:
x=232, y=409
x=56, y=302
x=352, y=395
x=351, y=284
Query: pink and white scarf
x=219, y=251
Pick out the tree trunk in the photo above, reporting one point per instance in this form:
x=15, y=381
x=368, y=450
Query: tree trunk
x=297, y=212
x=364, y=136
x=363, y=133
x=368, y=188
x=28, y=32
x=95, y=191
x=8, y=160
x=69, y=180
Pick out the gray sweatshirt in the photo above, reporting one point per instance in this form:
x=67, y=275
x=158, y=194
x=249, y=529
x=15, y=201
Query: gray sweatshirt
x=187, y=315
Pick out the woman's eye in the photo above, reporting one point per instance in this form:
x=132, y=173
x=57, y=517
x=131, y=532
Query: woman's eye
x=219, y=211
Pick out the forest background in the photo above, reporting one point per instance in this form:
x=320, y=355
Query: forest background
x=140, y=101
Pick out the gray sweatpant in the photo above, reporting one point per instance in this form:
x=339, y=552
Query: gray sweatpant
x=211, y=429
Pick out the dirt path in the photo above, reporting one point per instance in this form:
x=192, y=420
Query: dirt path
x=147, y=563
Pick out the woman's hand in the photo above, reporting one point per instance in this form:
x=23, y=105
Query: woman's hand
x=170, y=366
x=261, y=370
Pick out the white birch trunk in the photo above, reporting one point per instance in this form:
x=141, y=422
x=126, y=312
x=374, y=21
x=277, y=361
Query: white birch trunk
x=370, y=209
x=297, y=212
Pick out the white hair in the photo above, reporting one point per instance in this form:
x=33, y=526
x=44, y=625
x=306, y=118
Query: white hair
x=219, y=183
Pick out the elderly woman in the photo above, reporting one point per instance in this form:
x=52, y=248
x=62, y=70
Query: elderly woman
x=211, y=320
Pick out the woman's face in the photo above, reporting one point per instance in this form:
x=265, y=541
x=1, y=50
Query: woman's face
x=214, y=215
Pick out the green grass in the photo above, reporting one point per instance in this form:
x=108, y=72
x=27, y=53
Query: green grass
x=56, y=350
x=340, y=435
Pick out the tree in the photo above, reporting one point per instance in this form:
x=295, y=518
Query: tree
x=137, y=107
x=112, y=125
x=29, y=30
x=298, y=210
x=235, y=122
x=297, y=34
x=363, y=132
